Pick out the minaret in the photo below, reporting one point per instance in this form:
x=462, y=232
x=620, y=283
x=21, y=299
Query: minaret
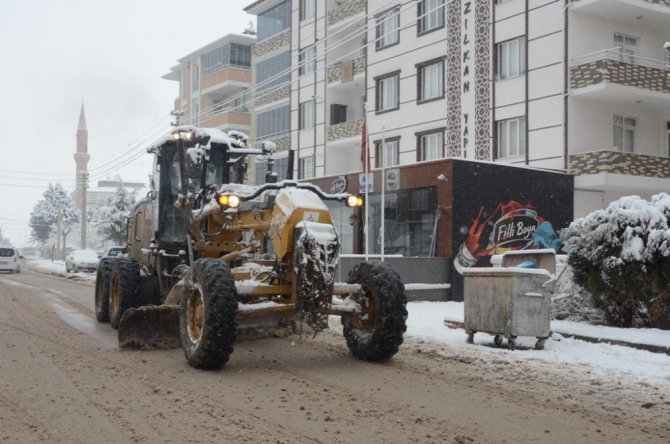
x=81, y=158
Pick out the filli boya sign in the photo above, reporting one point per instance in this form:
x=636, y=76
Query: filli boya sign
x=511, y=226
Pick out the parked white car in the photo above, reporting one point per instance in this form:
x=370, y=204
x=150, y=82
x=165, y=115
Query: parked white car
x=81, y=260
x=114, y=251
x=10, y=260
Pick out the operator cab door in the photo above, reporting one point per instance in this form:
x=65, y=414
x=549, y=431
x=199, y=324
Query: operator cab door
x=142, y=224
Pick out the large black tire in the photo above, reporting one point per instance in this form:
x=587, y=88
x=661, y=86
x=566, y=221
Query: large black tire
x=376, y=333
x=103, y=278
x=208, y=315
x=124, y=288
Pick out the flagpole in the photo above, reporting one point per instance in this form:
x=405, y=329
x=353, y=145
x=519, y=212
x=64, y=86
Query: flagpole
x=366, y=172
x=382, y=154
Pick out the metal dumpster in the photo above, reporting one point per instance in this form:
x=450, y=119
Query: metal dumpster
x=508, y=302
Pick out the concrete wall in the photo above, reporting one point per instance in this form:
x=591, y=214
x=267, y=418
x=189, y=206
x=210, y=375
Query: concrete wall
x=426, y=270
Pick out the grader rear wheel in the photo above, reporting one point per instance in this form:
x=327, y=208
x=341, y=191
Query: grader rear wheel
x=376, y=331
x=208, y=315
x=124, y=286
x=102, y=284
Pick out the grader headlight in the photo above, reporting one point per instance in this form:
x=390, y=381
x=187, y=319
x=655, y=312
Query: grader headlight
x=229, y=200
x=354, y=201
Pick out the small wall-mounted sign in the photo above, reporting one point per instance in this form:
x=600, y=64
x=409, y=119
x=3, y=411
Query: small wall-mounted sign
x=365, y=183
x=393, y=179
x=339, y=185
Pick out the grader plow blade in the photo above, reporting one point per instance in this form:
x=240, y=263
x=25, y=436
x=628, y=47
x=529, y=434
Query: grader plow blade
x=150, y=327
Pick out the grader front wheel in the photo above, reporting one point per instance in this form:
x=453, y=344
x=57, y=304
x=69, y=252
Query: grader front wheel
x=375, y=332
x=208, y=315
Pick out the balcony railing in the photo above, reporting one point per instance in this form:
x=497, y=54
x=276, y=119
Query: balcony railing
x=610, y=65
x=273, y=43
x=617, y=162
x=345, y=10
x=337, y=71
x=344, y=130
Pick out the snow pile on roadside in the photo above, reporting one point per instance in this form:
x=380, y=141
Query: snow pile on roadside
x=426, y=321
x=57, y=268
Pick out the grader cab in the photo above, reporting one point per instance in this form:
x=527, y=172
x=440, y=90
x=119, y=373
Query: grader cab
x=209, y=257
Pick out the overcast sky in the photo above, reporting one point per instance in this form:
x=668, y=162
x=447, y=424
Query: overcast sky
x=111, y=53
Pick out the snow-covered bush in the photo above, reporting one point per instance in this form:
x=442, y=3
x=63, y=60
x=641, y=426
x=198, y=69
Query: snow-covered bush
x=621, y=255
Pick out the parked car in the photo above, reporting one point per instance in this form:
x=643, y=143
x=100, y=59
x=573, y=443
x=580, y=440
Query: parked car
x=10, y=260
x=78, y=260
x=114, y=251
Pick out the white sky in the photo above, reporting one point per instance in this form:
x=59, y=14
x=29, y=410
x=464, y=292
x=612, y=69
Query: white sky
x=112, y=54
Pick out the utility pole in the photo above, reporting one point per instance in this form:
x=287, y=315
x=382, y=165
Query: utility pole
x=58, y=249
x=84, y=189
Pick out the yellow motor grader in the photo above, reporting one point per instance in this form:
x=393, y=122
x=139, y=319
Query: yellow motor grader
x=197, y=268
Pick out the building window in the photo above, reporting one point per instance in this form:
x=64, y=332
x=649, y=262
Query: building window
x=511, y=58
x=388, y=28
x=387, y=153
x=195, y=110
x=274, y=121
x=430, y=80
x=624, y=133
x=307, y=9
x=307, y=167
x=274, y=71
x=626, y=46
x=230, y=54
x=511, y=137
x=306, y=114
x=280, y=167
x=196, y=77
x=388, y=89
x=431, y=15
x=274, y=20
x=307, y=60
x=430, y=145
x=184, y=85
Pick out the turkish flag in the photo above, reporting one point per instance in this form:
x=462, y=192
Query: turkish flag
x=365, y=152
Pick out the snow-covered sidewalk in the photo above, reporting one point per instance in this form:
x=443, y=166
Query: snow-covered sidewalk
x=426, y=321
x=58, y=268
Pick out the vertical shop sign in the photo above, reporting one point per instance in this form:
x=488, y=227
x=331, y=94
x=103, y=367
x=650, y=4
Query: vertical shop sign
x=467, y=77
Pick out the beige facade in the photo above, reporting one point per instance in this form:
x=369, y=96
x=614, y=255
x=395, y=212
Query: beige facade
x=214, y=82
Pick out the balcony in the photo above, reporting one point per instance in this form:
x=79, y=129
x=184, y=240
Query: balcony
x=653, y=15
x=228, y=78
x=608, y=73
x=344, y=10
x=612, y=170
x=273, y=43
x=272, y=95
x=352, y=128
x=234, y=118
x=346, y=70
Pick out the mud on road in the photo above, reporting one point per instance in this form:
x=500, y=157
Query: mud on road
x=62, y=379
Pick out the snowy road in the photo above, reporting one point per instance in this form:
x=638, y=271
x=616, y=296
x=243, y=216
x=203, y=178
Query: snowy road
x=63, y=380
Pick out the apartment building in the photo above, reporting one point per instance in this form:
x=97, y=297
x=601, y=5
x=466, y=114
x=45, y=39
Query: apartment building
x=214, y=84
x=579, y=86
x=618, y=103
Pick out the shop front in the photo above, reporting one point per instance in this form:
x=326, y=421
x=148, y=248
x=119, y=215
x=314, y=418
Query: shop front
x=465, y=211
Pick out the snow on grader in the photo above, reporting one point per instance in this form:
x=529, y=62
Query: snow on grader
x=193, y=275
